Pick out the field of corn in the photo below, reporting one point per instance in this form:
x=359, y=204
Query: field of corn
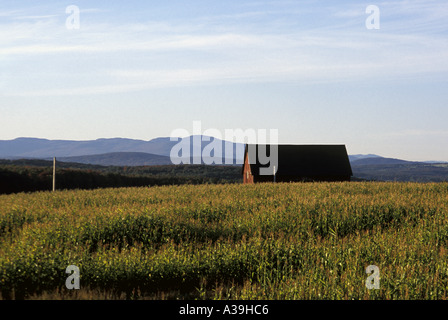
x=265, y=241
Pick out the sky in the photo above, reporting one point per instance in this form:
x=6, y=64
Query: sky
x=319, y=72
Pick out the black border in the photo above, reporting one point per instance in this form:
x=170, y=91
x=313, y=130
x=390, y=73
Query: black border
x=169, y=309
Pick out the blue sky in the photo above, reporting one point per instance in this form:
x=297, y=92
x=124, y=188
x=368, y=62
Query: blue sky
x=310, y=69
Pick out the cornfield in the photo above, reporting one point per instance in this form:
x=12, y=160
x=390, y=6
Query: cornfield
x=278, y=241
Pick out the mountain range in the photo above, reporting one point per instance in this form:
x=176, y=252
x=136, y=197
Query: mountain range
x=43, y=148
x=120, y=151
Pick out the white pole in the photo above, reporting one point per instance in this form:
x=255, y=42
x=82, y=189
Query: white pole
x=54, y=173
x=274, y=173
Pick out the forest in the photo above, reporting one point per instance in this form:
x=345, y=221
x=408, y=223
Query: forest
x=37, y=175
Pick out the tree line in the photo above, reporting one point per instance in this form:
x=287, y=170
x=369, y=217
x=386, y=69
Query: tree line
x=28, y=176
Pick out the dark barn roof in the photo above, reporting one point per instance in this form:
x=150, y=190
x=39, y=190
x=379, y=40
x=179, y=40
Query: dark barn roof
x=307, y=161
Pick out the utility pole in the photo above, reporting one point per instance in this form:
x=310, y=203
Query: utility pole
x=54, y=173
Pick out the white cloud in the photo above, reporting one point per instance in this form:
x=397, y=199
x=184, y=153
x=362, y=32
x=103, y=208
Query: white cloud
x=10, y=13
x=208, y=55
x=36, y=17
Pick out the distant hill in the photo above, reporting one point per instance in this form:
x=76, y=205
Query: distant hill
x=43, y=148
x=120, y=159
x=127, y=159
x=378, y=160
x=33, y=148
x=354, y=157
x=373, y=167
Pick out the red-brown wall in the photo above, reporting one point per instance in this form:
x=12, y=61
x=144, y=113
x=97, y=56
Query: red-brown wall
x=247, y=174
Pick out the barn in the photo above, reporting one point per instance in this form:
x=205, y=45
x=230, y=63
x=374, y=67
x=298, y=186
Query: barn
x=298, y=163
